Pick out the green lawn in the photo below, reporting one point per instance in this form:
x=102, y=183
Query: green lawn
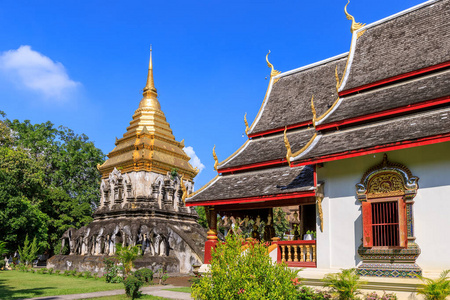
x=183, y=289
x=17, y=285
x=124, y=297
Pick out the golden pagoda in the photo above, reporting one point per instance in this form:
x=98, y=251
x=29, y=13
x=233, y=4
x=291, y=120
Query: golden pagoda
x=148, y=144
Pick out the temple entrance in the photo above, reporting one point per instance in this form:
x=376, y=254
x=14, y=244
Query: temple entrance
x=292, y=227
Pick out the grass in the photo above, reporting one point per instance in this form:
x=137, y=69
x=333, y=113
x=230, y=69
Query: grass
x=124, y=297
x=184, y=289
x=19, y=285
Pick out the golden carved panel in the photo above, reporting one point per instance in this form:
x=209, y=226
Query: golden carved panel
x=385, y=184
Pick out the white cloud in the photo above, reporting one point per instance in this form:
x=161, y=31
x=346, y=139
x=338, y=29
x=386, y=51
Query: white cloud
x=35, y=71
x=195, y=161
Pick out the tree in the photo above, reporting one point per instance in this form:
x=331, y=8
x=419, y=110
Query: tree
x=28, y=253
x=249, y=274
x=127, y=255
x=282, y=225
x=48, y=181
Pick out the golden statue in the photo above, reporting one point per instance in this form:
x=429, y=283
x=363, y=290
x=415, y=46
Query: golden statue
x=183, y=188
x=216, y=163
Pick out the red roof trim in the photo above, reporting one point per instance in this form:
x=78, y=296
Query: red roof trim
x=255, y=199
x=395, y=78
x=280, y=129
x=274, y=162
x=377, y=149
x=385, y=113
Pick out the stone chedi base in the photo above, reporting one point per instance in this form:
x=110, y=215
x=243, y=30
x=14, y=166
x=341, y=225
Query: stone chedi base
x=157, y=220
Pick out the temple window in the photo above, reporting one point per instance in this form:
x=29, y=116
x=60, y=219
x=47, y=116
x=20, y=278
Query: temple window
x=386, y=192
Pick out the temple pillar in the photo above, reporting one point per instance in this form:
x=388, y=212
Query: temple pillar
x=210, y=244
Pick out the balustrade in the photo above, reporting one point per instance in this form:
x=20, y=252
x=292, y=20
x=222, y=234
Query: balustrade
x=297, y=253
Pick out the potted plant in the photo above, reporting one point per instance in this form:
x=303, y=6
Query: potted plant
x=310, y=235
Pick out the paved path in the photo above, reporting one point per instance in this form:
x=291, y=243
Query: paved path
x=157, y=290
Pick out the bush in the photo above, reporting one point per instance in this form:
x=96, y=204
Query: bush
x=247, y=275
x=127, y=256
x=437, y=289
x=87, y=274
x=95, y=275
x=2, y=264
x=144, y=274
x=386, y=296
x=28, y=253
x=111, y=270
x=57, y=272
x=344, y=284
x=67, y=273
x=308, y=293
x=132, y=286
x=78, y=274
x=42, y=271
x=50, y=271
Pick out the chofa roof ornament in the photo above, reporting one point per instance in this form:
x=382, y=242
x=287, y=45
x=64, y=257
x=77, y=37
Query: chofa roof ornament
x=355, y=25
x=273, y=72
x=216, y=160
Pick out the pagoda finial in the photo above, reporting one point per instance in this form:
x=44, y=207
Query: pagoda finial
x=355, y=25
x=150, y=90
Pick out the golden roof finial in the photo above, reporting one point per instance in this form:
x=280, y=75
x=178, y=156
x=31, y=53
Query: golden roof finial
x=355, y=26
x=150, y=90
x=246, y=124
x=288, y=147
x=313, y=109
x=216, y=163
x=273, y=72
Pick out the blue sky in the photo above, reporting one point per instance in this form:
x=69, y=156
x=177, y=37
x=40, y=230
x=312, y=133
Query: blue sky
x=83, y=64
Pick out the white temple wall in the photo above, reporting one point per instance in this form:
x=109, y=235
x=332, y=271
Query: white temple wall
x=337, y=245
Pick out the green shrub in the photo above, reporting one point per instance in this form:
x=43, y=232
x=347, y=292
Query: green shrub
x=385, y=296
x=28, y=252
x=344, y=284
x=95, y=275
x=67, y=273
x=127, y=255
x=250, y=274
x=132, y=286
x=435, y=289
x=308, y=293
x=111, y=270
x=42, y=271
x=144, y=274
x=78, y=274
x=2, y=264
x=57, y=272
x=51, y=271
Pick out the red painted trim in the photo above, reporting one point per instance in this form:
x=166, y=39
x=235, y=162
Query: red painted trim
x=253, y=166
x=280, y=129
x=389, y=112
x=377, y=149
x=395, y=78
x=302, y=264
x=255, y=199
x=315, y=175
x=297, y=242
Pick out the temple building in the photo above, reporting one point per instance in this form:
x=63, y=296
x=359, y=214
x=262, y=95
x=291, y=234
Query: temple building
x=360, y=144
x=142, y=200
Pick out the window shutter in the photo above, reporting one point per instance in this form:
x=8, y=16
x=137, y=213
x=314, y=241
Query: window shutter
x=402, y=223
x=367, y=224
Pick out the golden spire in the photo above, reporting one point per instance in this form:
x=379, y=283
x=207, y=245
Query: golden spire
x=150, y=94
x=355, y=25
